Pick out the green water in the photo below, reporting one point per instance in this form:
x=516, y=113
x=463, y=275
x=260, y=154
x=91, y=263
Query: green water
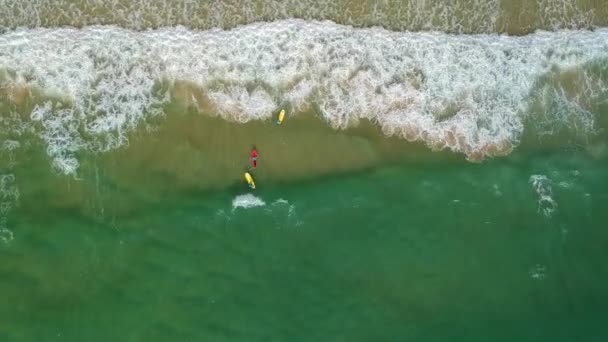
x=148, y=232
x=435, y=250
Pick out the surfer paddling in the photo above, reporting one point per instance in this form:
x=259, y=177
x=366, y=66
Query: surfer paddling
x=254, y=158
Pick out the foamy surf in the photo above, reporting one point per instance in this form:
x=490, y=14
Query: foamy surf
x=283, y=203
x=469, y=94
x=9, y=197
x=284, y=214
x=456, y=16
x=543, y=187
x=247, y=201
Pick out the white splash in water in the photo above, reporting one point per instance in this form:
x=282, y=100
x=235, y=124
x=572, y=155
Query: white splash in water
x=291, y=219
x=280, y=201
x=247, y=201
x=496, y=190
x=6, y=235
x=542, y=185
x=9, y=197
x=538, y=272
x=291, y=208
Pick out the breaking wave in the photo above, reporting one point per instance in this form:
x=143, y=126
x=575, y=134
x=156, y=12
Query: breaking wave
x=456, y=16
x=247, y=201
x=87, y=88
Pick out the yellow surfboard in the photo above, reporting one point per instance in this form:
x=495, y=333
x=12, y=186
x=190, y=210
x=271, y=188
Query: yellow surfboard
x=249, y=180
x=281, y=116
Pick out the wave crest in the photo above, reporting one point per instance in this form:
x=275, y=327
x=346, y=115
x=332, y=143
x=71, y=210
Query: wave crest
x=468, y=94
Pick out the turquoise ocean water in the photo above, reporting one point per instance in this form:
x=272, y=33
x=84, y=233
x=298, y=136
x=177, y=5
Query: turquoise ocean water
x=432, y=251
x=441, y=174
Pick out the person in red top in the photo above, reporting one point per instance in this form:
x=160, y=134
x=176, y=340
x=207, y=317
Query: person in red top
x=254, y=157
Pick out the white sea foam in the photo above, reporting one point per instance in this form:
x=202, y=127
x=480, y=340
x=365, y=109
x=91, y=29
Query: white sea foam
x=286, y=215
x=281, y=201
x=247, y=201
x=461, y=16
x=291, y=208
x=538, y=272
x=9, y=193
x=6, y=235
x=469, y=94
x=9, y=197
x=543, y=186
